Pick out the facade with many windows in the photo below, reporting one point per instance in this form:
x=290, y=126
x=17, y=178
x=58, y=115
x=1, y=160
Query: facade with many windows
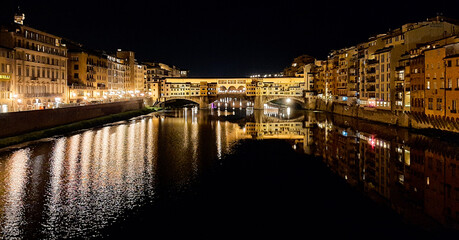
x=40, y=66
x=7, y=102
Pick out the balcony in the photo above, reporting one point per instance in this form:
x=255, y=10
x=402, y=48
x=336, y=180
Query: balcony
x=372, y=61
x=31, y=95
x=399, y=88
x=371, y=71
x=371, y=79
x=371, y=89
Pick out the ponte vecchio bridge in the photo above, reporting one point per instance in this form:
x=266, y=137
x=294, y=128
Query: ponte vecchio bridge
x=231, y=92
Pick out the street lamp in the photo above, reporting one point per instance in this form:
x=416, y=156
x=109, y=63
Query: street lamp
x=57, y=100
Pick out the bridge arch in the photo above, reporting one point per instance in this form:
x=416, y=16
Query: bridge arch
x=180, y=102
x=283, y=100
x=222, y=89
x=232, y=89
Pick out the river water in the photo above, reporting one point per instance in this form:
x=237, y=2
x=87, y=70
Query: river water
x=212, y=173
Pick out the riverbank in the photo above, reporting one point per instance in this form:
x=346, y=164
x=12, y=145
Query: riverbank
x=420, y=123
x=35, y=135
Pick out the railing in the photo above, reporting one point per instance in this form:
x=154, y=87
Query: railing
x=372, y=61
x=371, y=70
x=371, y=89
x=27, y=95
x=80, y=87
x=371, y=79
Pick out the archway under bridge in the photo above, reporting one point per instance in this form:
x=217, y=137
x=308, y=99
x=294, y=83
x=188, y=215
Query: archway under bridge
x=261, y=102
x=181, y=102
x=230, y=101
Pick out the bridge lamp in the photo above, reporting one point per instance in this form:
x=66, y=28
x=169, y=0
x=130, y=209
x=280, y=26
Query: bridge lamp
x=288, y=100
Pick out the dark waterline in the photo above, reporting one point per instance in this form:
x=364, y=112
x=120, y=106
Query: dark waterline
x=231, y=173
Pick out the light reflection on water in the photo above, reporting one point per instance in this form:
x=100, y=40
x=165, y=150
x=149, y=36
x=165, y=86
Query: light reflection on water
x=81, y=183
x=75, y=186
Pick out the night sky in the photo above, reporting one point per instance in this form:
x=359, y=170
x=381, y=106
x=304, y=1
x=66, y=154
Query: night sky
x=223, y=38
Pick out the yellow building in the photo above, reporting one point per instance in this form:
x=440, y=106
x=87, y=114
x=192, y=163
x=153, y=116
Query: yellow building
x=451, y=63
x=40, y=79
x=319, y=78
x=87, y=75
x=116, y=76
x=140, y=76
x=135, y=73
x=183, y=87
x=7, y=101
x=435, y=82
x=331, y=76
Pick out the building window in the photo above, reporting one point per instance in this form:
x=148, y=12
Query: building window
x=450, y=83
x=453, y=105
x=430, y=106
x=75, y=75
x=439, y=101
x=428, y=85
x=75, y=67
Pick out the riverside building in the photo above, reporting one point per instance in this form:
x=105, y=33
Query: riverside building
x=40, y=66
x=87, y=74
x=387, y=71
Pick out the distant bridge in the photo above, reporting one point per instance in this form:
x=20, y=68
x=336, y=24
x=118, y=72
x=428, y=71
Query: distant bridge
x=242, y=92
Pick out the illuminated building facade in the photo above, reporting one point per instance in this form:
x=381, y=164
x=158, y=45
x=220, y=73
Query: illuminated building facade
x=7, y=101
x=87, y=74
x=40, y=66
x=377, y=74
x=452, y=85
x=118, y=72
x=417, y=77
x=174, y=87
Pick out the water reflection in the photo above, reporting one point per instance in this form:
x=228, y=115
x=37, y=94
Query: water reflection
x=78, y=185
x=414, y=173
x=15, y=189
x=417, y=176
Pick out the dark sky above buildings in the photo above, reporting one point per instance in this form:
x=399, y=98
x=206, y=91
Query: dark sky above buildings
x=223, y=37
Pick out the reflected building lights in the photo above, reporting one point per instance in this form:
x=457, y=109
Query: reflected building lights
x=219, y=140
x=15, y=193
x=96, y=176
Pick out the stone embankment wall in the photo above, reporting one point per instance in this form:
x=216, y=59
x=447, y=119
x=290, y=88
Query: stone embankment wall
x=16, y=123
x=402, y=119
